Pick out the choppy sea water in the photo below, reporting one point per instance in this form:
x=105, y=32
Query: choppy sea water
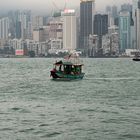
x=105, y=105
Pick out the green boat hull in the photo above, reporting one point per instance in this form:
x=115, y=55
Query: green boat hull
x=68, y=77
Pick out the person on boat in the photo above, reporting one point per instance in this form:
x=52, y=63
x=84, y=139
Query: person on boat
x=77, y=69
x=73, y=70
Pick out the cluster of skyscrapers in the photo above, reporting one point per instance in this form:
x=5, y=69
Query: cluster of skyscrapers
x=88, y=31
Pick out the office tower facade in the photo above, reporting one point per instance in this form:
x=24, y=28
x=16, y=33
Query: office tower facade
x=100, y=24
x=38, y=22
x=133, y=30
x=38, y=35
x=126, y=7
x=69, y=30
x=138, y=26
x=108, y=9
x=54, y=28
x=100, y=27
x=18, y=30
x=124, y=30
x=110, y=17
x=4, y=28
x=23, y=21
x=114, y=11
x=134, y=7
x=87, y=12
x=129, y=8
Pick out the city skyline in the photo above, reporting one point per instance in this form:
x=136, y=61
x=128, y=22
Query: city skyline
x=93, y=32
x=50, y=5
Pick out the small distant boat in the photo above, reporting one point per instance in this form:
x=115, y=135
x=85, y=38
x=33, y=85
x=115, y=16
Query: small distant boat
x=136, y=59
x=68, y=69
x=137, y=56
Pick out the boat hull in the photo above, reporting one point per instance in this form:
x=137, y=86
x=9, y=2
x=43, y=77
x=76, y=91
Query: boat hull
x=59, y=76
x=136, y=59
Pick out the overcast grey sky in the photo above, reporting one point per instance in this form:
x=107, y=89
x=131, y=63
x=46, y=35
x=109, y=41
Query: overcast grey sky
x=42, y=5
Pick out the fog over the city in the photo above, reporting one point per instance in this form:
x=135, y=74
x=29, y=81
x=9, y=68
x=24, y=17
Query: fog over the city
x=48, y=5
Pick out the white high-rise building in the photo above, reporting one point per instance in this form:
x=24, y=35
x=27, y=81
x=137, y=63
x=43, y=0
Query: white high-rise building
x=69, y=30
x=37, y=22
x=138, y=26
x=4, y=28
x=24, y=17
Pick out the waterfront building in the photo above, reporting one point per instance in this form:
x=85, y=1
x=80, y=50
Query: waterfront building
x=17, y=44
x=106, y=48
x=22, y=47
x=93, y=45
x=56, y=45
x=113, y=33
x=39, y=48
x=69, y=29
x=87, y=12
x=124, y=30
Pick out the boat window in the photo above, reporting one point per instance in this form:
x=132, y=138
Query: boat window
x=67, y=69
x=78, y=69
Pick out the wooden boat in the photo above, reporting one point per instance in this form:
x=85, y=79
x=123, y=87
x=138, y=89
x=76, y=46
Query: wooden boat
x=68, y=69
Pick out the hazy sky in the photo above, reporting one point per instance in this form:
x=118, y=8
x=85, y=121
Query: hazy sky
x=42, y=5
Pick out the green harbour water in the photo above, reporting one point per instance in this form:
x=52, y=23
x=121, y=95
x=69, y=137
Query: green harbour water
x=105, y=105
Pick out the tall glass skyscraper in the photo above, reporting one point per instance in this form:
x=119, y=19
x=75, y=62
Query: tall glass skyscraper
x=100, y=27
x=87, y=11
x=124, y=30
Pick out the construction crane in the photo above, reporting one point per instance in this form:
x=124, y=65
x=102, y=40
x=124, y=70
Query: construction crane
x=55, y=5
x=57, y=11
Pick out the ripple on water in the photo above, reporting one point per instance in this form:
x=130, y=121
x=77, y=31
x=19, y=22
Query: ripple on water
x=130, y=136
x=28, y=130
x=21, y=110
x=52, y=134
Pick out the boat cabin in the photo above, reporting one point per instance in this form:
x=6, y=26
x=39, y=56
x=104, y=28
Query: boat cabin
x=68, y=67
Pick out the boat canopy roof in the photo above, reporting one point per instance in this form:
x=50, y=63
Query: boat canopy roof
x=67, y=63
